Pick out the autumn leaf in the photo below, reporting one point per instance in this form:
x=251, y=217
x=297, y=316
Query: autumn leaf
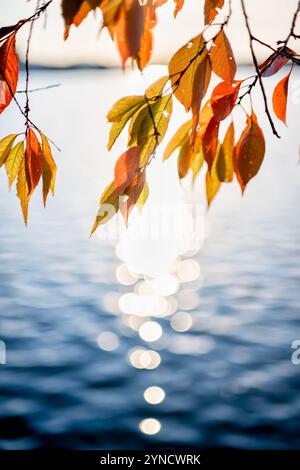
x=280, y=97
x=23, y=190
x=178, y=7
x=142, y=199
x=178, y=138
x=225, y=164
x=210, y=141
x=184, y=159
x=275, y=62
x=48, y=168
x=145, y=50
x=9, y=71
x=223, y=62
x=197, y=162
x=133, y=192
x=186, y=73
x=121, y=112
x=213, y=183
x=13, y=162
x=211, y=9
x=126, y=169
x=33, y=160
x=108, y=206
x=75, y=11
x=129, y=29
x=6, y=146
x=250, y=151
x=110, y=10
x=223, y=98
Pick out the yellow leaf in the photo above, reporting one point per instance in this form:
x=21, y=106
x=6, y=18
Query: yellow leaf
x=185, y=71
x=178, y=138
x=6, y=146
x=23, y=190
x=143, y=197
x=120, y=114
x=108, y=206
x=225, y=166
x=197, y=162
x=184, y=159
x=155, y=89
x=212, y=181
x=48, y=168
x=13, y=162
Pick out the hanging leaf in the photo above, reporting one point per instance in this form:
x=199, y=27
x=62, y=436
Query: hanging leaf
x=210, y=141
x=276, y=61
x=48, y=168
x=178, y=138
x=33, y=160
x=9, y=71
x=222, y=58
x=197, y=162
x=280, y=97
x=13, y=162
x=129, y=29
x=223, y=98
x=110, y=10
x=179, y=5
x=213, y=183
x=199, y=93
x=133, y=192
x=126, y=169
x=120, y=113
x=75, y=11
x=142, y=199
x=186, y=73
x=211, y=9
x=108, y=206
x=145, y=51
x=23, y=190
x=6, y=145
x=225, y=165
x=185, y=158
x=250, y=151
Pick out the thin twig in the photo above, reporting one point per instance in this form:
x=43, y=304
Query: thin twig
x=259, y=76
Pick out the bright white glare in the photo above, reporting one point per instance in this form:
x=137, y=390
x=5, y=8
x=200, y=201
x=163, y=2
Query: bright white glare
x=165, y=285
x=141, y=358
x=150, y=426
x=124, y=276
x=150, y=331
x=108, y=341
x=181, y=321
x=154, y=395
x=188, y=270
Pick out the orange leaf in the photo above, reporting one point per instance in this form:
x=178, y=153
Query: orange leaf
x=23, y=190
x=126, y=168
x=185, y=158
x=133, y=191
x=223, y=62
x=9, y=71
x=210, y=141
x=187, y=74
x=145, y=50
x=201, y=85
x=179, y=5
x=75, y=11
x=48, y=169
x=280, y=98
x=223, y=98
x=210, y=9
x=33, y=161
x=212, y=181
x=129, y=29
x=250, y=151
x=225, y=164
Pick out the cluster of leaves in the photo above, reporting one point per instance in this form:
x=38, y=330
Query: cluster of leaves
x=197, y=141
x=130, y=24
x=29, y=159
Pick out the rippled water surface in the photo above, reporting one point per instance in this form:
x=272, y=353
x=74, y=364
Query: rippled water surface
x=79, y=370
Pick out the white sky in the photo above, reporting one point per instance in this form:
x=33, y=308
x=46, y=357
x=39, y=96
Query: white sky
x=270, y=20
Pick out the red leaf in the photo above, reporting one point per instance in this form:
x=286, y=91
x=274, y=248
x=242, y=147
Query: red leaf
x=126, y=168
x=223, y=98
x=275, y=62
x=280, y=98
x=9, y=71
x=250, y=151
x=33, y=161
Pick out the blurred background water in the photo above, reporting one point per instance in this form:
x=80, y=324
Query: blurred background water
x=122, y=344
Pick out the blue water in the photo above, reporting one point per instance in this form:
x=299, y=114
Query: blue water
x=229, y=380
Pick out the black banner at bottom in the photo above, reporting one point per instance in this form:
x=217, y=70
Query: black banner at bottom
x=214, y=458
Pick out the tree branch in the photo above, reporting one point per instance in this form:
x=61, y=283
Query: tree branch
x=258, y=72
